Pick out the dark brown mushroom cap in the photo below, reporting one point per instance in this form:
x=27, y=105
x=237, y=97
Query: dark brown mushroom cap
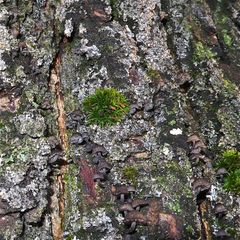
x=97, y=159
x=119, y=189
x=89, y=147
x=193, y=139
x=76, y=139
x=139, y=203
x=126, y=207
x=85, y=137
x=201, y=185
x=221, y=172
x=99, y=176
x=220, y=210
x=104, y=166
x=99, y=150
x=131, y=189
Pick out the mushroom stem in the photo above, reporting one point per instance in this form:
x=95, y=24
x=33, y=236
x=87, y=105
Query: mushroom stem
x=122, y=197
x=132, y=227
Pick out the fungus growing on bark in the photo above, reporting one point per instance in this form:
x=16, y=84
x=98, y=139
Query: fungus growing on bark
x=99, y=151
x=104, y=167
x=201, y=187
x=98, y=177
x=137, y=204
x=89, y=147
x=122, y=192
x=220, y=210
x=125, y=208
x=97, y=159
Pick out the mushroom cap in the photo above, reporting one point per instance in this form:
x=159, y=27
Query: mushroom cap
x=126, y=207
x=89, y=147
x=119, y=189
x=139, y=203
x=85, y=137
x=97, y=159
x=193, y=139
x=220, y=209
x=100, y=150
x=131, y=189
x=98, y=176
x=201, y=186
x=76, y=139
x=222, y=172
x=104, y=165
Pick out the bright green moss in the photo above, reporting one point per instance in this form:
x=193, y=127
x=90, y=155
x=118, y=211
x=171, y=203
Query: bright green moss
x=202, y=52
x=231, y=161
x=130, y=174
x=227, y=38
x=106, y=106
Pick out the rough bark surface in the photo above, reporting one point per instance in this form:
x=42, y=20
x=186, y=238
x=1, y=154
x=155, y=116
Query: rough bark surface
x=177, y=62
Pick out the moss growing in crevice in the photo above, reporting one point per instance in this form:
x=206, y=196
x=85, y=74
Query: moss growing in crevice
x=230, y=160
x=202, y=52
x=131, y=174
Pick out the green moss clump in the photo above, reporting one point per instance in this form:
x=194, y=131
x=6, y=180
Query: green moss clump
x=106, y=106
x=227, y=38
x=131, y=174
x=115, y=11
x=202, y=52
x=231, y=161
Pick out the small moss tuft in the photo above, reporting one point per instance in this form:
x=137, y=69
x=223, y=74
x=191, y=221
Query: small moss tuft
x=106, y=106
x=231, y=161
x=202, y=52
x=130, y=174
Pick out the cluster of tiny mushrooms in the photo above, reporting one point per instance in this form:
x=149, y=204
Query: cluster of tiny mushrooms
x=202, y=186
x=131, y=208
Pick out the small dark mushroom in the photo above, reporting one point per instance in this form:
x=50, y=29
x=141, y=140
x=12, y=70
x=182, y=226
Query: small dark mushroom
x=53, y=142
x=193, y=139
x=98, y=177
x=89, y=147
x=77, y=116
x=122, y=192
x=201, y=187
x=97, y=159
x=99, y=151
x=221, y=173
x=139, y=203
x=56, y=156
x=220, y=210
x=125, y=208
x=76, y=139
x=85, y=137
x=104, y=167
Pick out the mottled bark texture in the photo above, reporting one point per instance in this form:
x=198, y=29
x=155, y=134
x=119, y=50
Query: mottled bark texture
x=177, y=62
